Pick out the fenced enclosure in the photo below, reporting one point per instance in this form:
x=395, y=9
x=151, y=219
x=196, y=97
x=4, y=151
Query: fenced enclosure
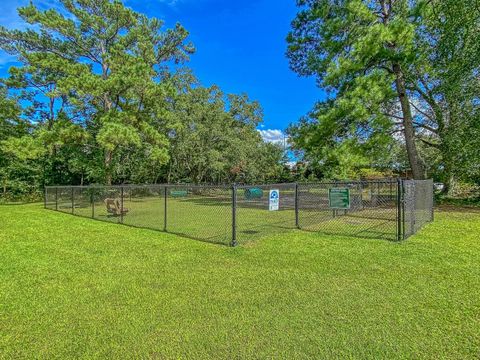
x=390, y=209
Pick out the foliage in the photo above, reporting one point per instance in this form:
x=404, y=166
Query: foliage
x=99, y=60
x=463, y=194
x=19, y=175
x=216, y=140
x=450, y=86
x=104, y=95
x=393, y=67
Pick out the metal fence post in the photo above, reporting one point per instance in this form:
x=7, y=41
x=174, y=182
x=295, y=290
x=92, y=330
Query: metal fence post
x=432, y=218
x=413, y=214
x=165, y=195
x=404, y=235
x=56, y=198
x=297, y=223
x=121, y=204
x=45, y=198
x=73, y=200
x=234, y=215
x=92, y=200
x=360, y=190
x=399, y=210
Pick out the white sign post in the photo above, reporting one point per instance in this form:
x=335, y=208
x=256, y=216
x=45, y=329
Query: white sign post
x=274, y=200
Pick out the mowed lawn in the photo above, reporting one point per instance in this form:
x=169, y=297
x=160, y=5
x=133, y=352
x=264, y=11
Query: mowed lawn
x=72, y=287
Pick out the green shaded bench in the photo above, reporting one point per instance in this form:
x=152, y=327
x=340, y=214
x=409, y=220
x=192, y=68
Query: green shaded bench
x=178, y=193
x=253, y=193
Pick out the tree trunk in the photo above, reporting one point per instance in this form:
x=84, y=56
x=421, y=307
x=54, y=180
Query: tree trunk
x=449, y=180
x=108, y=167
x=51, y=117
x=409, y=132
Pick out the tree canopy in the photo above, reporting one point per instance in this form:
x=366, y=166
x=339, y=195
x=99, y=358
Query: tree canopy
x=398, y=75
x=102, y=95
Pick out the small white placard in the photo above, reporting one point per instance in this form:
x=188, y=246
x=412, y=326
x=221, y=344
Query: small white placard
x=274, y=200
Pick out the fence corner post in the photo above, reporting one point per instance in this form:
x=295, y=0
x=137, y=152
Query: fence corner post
x=399, y=209
x=297, y=222
x=432, y=217
x=92, y=201
x=165, y=195
x=234, y=215
x=121, y=204
x=73, y=200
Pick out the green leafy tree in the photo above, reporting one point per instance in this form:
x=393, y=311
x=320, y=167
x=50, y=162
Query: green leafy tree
x=19, y=175
x=395, y=67
x=362, y=51
x=445, y=86
x=215, y=138
x=336, y=148
x=105, y=62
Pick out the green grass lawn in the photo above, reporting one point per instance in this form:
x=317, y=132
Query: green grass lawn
x=71, y=287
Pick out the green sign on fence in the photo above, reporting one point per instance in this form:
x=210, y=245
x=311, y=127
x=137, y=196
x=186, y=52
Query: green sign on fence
x=339, y=198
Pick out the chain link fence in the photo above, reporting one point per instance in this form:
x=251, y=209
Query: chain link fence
x=372, y=210
x=254, y=218
x=388, y=209
x=417, y=205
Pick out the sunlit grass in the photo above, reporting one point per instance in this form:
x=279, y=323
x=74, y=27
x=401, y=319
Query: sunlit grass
x=72, y=287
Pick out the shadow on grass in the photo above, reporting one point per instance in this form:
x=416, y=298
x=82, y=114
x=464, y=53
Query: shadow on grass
x=215, y=239
x=248, y=232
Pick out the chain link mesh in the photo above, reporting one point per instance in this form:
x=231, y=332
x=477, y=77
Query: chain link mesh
x=372, y=212
x=385, y=209
x=200, y=212
x=252, y=211
x=65, y=199
x=144, y=206
x=417, y=205
x=50, y=200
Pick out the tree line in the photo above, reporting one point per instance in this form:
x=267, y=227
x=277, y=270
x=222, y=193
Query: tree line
x=403, y=78
x=102, y=95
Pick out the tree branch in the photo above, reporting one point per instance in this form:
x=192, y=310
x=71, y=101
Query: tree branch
x=426, y=142
x=426, y=127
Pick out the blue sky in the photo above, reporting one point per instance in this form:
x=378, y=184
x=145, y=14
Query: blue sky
x=240, y=47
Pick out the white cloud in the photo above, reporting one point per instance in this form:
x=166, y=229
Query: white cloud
x=273, y=136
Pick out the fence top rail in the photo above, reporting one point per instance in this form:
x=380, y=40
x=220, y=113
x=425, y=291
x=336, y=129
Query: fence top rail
x=245, y=186
x=418, y=181
x=137, y=186
x=347, y=182
x=238, y=186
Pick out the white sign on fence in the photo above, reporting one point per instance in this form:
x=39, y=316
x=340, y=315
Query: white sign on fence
x=274, y=203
